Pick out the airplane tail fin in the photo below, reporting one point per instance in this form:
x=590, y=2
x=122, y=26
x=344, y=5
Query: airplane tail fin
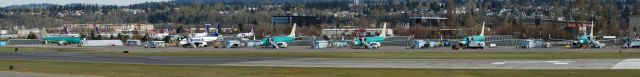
x=97, y=30
x=383, y=33
x=44, y=33
x=66, y=31
x=482, y=31
x=293, y=31
x=169, y=28
x=218, y=28
x=252, y=29
x=206, y=28
x=215, y=34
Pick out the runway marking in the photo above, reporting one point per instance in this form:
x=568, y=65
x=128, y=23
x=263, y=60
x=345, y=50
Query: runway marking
x=165, y=58
x=560, y=63
x=529, y=62
x=200, y=59
x=498, y=63
x=627, y=64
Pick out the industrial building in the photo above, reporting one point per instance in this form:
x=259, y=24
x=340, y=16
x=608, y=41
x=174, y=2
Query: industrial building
x=634, y=26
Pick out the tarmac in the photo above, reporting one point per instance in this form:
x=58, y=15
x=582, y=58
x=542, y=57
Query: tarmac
x=26, y=74
x=332, y=62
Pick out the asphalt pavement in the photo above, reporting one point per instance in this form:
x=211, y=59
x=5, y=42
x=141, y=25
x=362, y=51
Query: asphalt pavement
x=332, y=62
x=25, y=74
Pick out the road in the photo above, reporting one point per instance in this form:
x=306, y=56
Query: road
x=332, y=62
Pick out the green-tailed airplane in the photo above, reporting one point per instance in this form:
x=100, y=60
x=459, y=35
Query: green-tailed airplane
x=371, y=42
x=476, y=41
x=63, y=39
x=280, y=41
x=587, y=40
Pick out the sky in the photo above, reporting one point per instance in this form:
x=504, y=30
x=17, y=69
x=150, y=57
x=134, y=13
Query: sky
x=4, y=3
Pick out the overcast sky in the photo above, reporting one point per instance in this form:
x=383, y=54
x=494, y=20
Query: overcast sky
x=4, y=3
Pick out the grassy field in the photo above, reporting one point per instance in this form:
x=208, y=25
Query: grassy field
x=134, y=70
x=409, y=55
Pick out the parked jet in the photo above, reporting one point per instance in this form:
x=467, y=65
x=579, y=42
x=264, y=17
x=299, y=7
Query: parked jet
x=200, y=39
x=205, y=35
x=280, y=41
x=587, y=40
x=476, y=41
x=193, y=42
x=63, y=39
x=247, y=35
x=371, y=42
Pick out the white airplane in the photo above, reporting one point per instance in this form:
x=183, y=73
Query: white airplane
x=200, y=39
x=193, y=42
x=205, y=36
x=247, y=35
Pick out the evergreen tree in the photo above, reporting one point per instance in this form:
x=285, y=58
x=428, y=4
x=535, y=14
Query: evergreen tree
x=166, y=39
x=32, y=36
x=144, y=38
x=112, y=37
x=92, y=35
x=179, y=29
x=82, y=35
x=119, y=36
x=99, y=37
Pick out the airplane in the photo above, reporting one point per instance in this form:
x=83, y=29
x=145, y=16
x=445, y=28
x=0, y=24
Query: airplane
x=632, y=42
x=193, y=42
x=280, y=41
x=200, y=39
x=371, y=42
x=206, y=36
x=247, y=35
x=587, y=40
x=477, y=41
x=63, y=39
x=210, y=37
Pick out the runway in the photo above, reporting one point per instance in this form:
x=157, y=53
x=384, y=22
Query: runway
x=332, y=62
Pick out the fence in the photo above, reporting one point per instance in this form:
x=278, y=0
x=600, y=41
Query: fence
x=24, y=42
